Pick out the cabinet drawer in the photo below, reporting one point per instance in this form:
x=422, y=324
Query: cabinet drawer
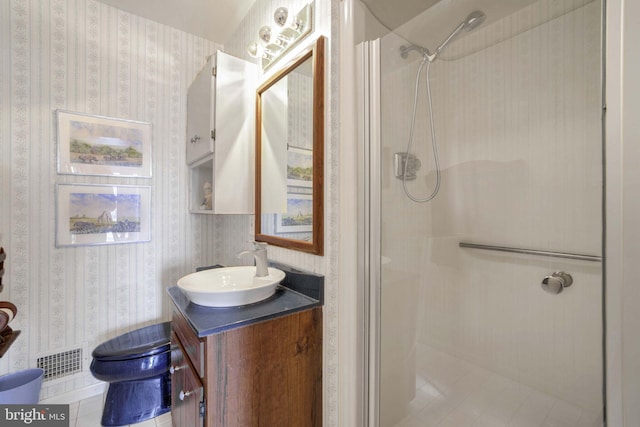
x=186, y=389
x=193, y=346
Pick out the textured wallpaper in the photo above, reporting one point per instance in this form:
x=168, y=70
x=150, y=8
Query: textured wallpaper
x=83, y=56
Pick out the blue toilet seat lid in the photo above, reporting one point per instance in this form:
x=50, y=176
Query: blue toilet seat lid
x=141, y=342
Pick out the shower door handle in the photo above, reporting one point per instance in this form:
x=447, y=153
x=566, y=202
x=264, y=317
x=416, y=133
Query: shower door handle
x=556, y=283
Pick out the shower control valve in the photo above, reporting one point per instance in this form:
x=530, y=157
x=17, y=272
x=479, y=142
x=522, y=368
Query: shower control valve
x=406, y=164
x=556, y=283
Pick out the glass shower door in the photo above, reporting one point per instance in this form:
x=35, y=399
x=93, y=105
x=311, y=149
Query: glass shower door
x=487, y=299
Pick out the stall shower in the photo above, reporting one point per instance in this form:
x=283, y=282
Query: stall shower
x=482, y=157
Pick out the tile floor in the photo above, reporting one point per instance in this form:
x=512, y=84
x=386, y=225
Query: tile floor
x=451, y=392
x=87, y=413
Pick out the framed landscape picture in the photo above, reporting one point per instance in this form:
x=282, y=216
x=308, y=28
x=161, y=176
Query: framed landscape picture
x=102, y=214
x=95, y=145
x=299, y=215
x=299, y=167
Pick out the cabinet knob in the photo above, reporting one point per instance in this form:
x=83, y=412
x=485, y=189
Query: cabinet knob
x=195, y=139
x=173, y=369
x=556, y=283
x=184, y=394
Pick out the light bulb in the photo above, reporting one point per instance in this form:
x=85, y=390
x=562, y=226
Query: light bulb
x=280, y=16
x=265, y=34
x=254, y=50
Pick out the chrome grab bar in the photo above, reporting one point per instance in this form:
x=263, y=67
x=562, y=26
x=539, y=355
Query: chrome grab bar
x=582, y=257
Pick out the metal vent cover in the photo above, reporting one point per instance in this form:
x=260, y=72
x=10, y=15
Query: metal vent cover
x=62, y=364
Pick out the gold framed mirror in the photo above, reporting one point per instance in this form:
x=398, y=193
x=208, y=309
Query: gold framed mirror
x=290, y=154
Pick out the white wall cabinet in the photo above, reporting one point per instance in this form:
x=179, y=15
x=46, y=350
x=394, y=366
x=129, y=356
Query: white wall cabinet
x=221, y=136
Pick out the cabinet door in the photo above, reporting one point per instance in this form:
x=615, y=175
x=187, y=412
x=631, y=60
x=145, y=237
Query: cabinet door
x=186, y=389
x=235, y=117
x=266, y=374
x=200, y=113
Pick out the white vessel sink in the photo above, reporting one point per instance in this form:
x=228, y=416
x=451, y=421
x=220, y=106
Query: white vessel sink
x=230, y=286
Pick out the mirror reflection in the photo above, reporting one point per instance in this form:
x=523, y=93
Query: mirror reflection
x=289, y=155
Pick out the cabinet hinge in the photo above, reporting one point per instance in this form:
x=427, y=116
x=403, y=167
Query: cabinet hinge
x=213, y=134
x=203, y=407
x=214, y=71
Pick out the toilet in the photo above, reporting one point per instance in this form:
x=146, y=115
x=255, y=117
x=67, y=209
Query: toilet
x=136, y=366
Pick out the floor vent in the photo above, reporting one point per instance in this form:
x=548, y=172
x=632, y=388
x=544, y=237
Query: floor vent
x=61, y=364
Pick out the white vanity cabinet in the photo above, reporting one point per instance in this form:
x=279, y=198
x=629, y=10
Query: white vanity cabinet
x=220, y=136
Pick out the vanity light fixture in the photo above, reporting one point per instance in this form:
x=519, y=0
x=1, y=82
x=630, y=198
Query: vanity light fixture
x=289, y=29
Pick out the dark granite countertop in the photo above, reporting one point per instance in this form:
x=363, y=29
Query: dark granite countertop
x=210, y=320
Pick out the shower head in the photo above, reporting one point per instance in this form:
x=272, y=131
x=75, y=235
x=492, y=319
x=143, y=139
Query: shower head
x=472, y=21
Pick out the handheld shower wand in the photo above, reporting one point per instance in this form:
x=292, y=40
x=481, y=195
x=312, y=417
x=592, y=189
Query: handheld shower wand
x=472, y=21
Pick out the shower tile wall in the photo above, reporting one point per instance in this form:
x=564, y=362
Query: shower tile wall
x=83, y=56
x=518, y=125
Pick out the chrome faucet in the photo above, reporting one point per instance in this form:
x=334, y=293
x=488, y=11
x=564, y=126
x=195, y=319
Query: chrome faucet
x=260, y=254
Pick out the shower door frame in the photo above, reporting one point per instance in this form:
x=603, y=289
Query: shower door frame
x=368, y=69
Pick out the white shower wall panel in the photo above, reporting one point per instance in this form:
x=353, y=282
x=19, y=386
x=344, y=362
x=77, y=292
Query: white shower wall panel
x=489, y=309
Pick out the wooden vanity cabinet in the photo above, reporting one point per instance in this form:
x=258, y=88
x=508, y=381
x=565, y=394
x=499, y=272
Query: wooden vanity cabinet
x=263, y=374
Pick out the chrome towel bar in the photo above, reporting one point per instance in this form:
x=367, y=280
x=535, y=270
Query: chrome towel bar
x=582, y=257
